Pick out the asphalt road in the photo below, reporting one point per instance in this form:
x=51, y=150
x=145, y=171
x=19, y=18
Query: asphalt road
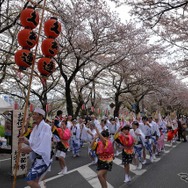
x=170, y=170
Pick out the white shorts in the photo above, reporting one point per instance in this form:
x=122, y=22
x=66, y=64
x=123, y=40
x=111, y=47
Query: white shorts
x=60, y=154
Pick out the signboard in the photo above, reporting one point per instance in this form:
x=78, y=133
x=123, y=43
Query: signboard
x=17, y=125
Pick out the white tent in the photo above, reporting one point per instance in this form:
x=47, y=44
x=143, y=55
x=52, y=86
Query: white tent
x=4, y=106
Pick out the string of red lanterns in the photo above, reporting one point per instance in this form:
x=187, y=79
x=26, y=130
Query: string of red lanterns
x=49, y=47
x=27, y=38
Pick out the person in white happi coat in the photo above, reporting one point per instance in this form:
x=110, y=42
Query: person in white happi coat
x=69, y=125
x=96, y=122
x=146, y=129
x=112, y=129
x=39, y=147
x=88, y=136
x=75, y=138
x=155, y=134
x=139, y=144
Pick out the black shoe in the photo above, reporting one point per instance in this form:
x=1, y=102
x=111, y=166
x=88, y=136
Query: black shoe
x=185, y=141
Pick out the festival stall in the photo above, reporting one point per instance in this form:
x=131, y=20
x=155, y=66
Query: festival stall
x=6, y=111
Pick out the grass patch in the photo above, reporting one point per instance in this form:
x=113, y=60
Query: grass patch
x=2, y=131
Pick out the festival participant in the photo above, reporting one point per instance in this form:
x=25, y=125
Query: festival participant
x=146, y=129
x=69, y=122
x=171, y=131
x=89, y=134
x=183, y=130
x=69, y=126
x=104, y=150
x=160, y=142
x=129, y=120
x=58, y=118
x=117, y=122
x=29, y=129
x=127, y=141
x=81, y=125
x=103, y=125
x=139, y=118
x=112, y=128
x=175, y=129
x=39, y=147
x=64, y=134
x=96, y=122
x=75, y=138
x=139, y=143
x=155, y=134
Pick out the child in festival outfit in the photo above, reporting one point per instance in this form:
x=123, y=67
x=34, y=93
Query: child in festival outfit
x=64, y=135
x=104, y=150
x=127, y=141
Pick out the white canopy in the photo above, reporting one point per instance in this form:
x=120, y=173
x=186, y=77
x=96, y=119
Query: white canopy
x=4, y=106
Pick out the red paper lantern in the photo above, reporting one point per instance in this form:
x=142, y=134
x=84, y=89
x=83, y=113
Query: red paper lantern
x=27, y=38
x=92, y=109
x=83, y=106
x=31, y=107
x=52, y=28
x=16, y=105
x=46, y=66
x=106, y=112
x=99, y=110
x=49, y=47
x=29, y=18
x=23, y=58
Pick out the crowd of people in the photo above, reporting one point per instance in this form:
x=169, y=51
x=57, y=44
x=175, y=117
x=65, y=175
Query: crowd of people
x=106, y=138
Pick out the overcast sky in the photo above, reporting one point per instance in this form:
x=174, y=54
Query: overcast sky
x=122, y=10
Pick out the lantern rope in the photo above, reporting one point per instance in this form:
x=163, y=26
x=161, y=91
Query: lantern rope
x=28, y=95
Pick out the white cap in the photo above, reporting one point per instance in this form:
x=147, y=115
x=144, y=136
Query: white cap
x=39, y=111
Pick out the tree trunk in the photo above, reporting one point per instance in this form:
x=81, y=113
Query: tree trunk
x=117, y=105
x=137, y=110
x=68, y=99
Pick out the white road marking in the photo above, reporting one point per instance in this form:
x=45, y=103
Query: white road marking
x=137, y=172
x=91, y=177
x=5, y=159
x=154, y=160
x=183, y=176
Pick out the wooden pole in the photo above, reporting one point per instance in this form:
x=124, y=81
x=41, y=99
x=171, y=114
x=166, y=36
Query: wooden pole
x=27, y=99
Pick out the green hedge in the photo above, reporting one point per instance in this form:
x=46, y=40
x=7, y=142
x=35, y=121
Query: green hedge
x=2, y=130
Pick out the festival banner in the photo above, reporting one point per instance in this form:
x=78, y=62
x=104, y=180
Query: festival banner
x=17, y=126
